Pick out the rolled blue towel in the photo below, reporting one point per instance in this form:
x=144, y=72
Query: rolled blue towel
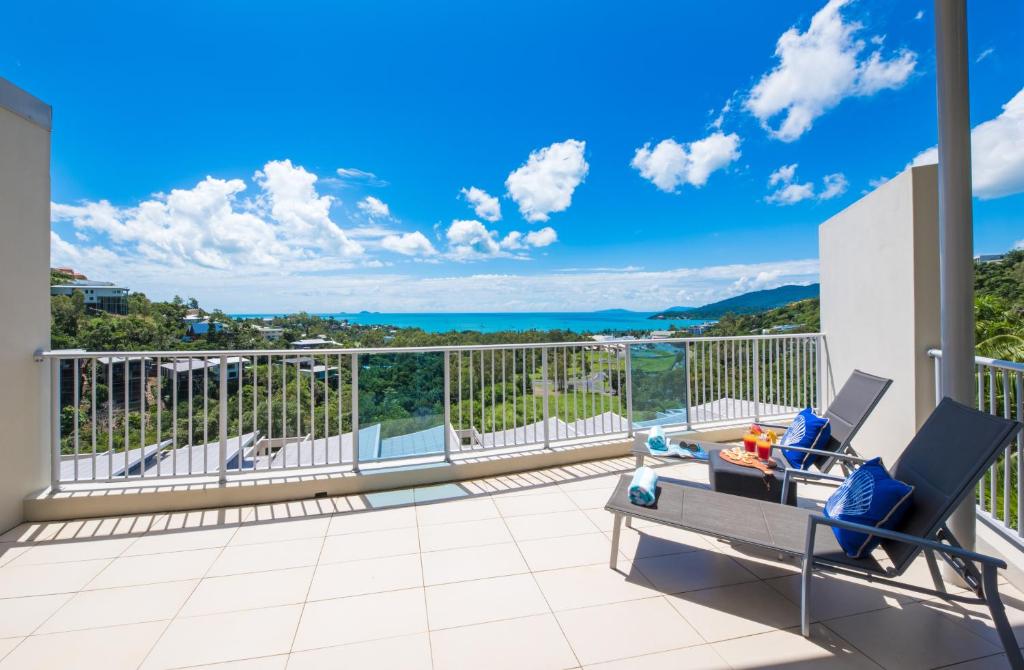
x=656, y=440
x=644, y=488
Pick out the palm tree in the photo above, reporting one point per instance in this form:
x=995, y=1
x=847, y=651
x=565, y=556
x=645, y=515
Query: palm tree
x=1004, y=347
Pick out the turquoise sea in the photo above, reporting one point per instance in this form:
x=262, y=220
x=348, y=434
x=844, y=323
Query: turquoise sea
x=614, y=321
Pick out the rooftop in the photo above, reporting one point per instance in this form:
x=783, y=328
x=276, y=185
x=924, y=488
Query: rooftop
x=507, y=572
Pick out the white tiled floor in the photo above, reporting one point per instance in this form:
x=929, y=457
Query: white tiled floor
x=501, y=573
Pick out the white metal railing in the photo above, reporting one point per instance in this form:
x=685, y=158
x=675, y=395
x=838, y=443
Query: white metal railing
x=156, y=415
x=1000, y=391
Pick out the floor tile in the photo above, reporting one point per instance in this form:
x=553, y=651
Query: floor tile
x=554, y=524
x=375, y=544
x=691, y=658
x=590, y=499
x=426, y=494
x=997, y=662
x=279, y=531
x=483, y=600
x=544, y=503
x=394, y=573
x=926, y=638
x=37, y=580
x=77, y=550
x=588, y=585
x=263, y=557
x=534, y=642
x=464, y=534
x=764, y=563
x=328, y=623
x=411, y=652
x=118, y=647
x=21, y=616
x=833, y=596
x=977, y=618
x=225, y=637
x=695, y=570
x=622, y=630
x=181, y=540
x=472, y=509
x=120, y=606
x=8, y=644
x=604, y=520
x=457, y=565
x=787, y=649
x=278, y=662
x=566, y=552
x=215, y=595
x=154, y=568
x=364, y=521
x=657, y=541
x=726, y=612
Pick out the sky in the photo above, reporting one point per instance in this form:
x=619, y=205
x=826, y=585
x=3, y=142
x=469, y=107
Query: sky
x=466, y=156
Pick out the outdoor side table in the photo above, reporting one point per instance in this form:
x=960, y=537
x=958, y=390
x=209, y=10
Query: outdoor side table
x=738, y=480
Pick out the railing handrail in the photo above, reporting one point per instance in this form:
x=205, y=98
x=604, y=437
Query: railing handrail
x=70, y=354
x=997, y=363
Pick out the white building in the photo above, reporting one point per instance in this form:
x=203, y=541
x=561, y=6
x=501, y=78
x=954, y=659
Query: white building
x=99, y=295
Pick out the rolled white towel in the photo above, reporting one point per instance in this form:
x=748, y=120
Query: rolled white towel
x=643, y=490
x=656, y=440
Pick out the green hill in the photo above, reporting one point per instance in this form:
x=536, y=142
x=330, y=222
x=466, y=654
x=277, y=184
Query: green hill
x=747, y=303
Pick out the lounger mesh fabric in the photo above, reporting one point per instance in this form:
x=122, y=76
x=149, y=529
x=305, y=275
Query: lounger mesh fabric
x=849, y=409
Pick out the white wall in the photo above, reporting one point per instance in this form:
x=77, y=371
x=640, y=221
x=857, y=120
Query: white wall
x=24, y=297
x=880, y=301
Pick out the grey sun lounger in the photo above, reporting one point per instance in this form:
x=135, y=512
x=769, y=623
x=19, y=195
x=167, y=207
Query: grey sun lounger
x=943, y=462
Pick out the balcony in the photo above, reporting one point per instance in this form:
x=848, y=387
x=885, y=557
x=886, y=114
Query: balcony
x=500, y=572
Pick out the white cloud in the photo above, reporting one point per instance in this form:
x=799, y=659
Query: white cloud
x=919, y=15
x=484, y=204
x=818, y=68
x=546, y=182
x=984, y=54
x=783, y=175
x=758, y=281
x=409, y=244
x=997, y=152
x=347, y=176
x=542, y=238
x=470, y=240
x=670, y=165
x=1019, y=244
x=834, y=186
x=210, y=226
x=790, y=191
x=878, y=181
x=374, y=208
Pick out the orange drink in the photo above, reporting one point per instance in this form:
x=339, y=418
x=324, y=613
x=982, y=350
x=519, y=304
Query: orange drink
x=764, y=449
x=749, y=440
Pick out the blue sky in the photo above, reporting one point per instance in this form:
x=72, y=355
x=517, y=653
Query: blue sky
x=637, y=156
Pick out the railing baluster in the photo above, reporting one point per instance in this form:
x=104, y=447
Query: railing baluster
x=222, y=451
x=547, y=394
x=55, y=446
x=447, y=407
x=355, y=412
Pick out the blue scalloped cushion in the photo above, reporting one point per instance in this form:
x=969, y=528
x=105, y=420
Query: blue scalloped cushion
x=808, y=431
x=871, y=497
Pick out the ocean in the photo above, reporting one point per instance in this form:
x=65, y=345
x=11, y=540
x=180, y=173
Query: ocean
x=580, y=322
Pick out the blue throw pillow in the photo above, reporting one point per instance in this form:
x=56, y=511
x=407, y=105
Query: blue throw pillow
x=871, y=497
x=807, y=432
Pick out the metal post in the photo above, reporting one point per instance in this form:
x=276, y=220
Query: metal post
x=447, y=408
x=821, y=374
x=55, y=425
x=355, y=412
x=956, y=264
x=222, y=421
x=629, y=389
x=547, y=390
x=757, y=380
x=689, y=374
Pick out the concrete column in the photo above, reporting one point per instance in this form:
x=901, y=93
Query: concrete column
x=24, y=298
x=956, y=230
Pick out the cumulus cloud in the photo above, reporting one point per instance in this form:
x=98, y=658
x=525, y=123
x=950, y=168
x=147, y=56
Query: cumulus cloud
x=764, y=279
x=546, y=182
x=541, y=238
x=790, y=191
x=468, y=239
x=484, y=204
x=919, y=15
x=409, y=244
x=211, y=226
x=997, y=152
x=878, y=181
x=819, y=68
x=374, y=208
x=670, y=164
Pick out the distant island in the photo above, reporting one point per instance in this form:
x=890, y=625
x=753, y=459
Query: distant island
x=747, y=303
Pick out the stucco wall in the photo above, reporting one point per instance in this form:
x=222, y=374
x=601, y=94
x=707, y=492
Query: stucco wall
x=24, y=296
x=880, y=301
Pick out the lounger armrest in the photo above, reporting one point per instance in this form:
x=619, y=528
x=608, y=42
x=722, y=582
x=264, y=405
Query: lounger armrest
x=807, y=475
x=827, y=454
x=948, y=549
x=771, y=425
